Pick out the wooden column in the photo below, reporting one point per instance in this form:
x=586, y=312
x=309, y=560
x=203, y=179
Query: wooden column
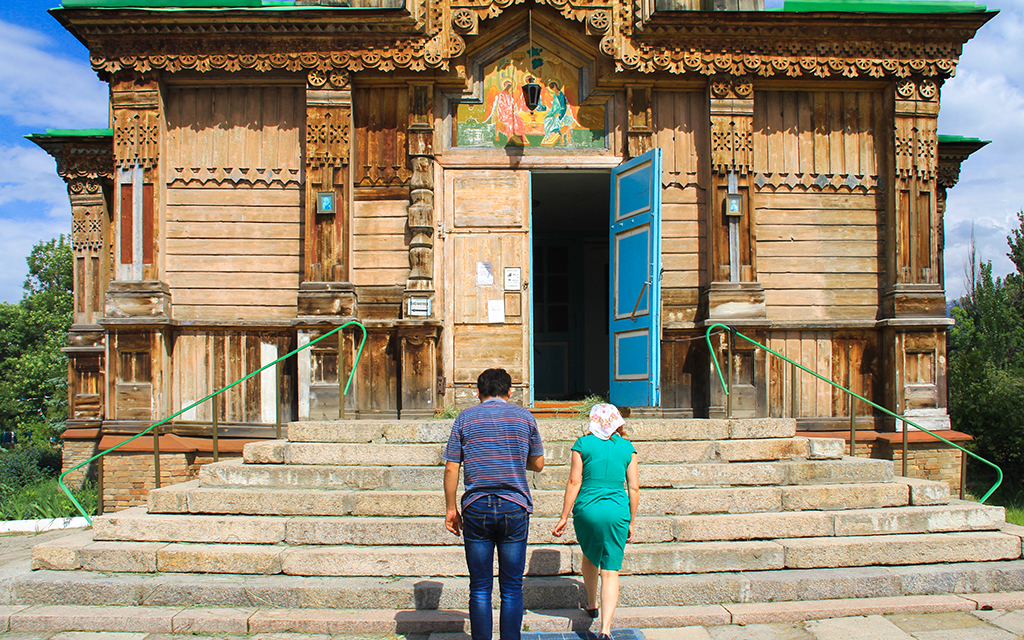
x=734, y=293
x=420, y=283
x=913, y=305
x=640, y=133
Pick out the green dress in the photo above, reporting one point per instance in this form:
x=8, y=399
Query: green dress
x=601, y=512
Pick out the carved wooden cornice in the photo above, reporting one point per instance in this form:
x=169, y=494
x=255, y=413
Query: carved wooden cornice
x=431, y=34
x=81, y=160
x=951, y=156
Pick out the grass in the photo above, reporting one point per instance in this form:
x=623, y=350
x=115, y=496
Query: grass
x=1008, y=496
x=44, y=499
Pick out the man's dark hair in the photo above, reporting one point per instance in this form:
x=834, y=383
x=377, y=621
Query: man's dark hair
x=494, y=383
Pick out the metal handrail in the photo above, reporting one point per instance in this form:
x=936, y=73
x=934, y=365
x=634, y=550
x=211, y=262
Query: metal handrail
x=725, y=387
x=362, y=342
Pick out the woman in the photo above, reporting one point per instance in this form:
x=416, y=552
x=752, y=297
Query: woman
x=603, y=511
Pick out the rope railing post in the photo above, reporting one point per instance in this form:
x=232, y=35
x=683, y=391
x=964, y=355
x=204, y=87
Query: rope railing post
x=215, y=405
x=155, y=428
x=718, y=370
x=156, y=456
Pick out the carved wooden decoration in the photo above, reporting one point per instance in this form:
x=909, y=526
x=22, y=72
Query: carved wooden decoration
x=328, y=124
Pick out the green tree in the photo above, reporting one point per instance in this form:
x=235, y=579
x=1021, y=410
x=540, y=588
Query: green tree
x=33, y=370
x=986, y=361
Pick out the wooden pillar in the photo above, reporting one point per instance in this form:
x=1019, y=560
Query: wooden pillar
x=734, y=293
x=640, y=133
x=913, y=300
x=420, y=283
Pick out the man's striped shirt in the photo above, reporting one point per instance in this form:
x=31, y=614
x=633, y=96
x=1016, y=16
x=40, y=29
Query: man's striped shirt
x=492, y=442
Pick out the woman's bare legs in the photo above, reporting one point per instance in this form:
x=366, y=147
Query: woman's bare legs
x=609, y=599
x=590, y=582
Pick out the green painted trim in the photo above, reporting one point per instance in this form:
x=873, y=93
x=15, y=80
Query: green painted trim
x=949, y=139
x=73, y=133
x=883, y=6
x=209, y=5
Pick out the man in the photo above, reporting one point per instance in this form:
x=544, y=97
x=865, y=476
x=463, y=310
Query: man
x=496, y=442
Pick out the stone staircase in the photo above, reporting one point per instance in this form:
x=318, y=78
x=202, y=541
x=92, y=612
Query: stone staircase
x=349, y=515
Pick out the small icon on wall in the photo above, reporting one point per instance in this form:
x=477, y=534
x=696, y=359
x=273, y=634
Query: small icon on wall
x=325, y=202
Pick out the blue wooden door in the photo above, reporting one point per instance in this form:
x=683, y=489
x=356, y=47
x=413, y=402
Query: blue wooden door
x=635, y=309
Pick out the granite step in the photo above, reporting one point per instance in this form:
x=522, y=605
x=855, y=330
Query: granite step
x=79, y=551
x=557, y=592
x=640, y=430
x=555, y=452
x=262, y=621
x=235, y=473
x=189, y=497
x=136, y=524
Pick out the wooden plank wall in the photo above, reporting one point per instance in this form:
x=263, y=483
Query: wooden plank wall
x=681, y=131
x=204, y=361
x=380, y=249
x=381, y=118
x=233, y=233
x=817, y=132
x=849, y=358
x=817, y=208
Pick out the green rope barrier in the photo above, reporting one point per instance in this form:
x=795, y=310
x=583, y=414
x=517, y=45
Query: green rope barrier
x=359, y=353
x=725, y=387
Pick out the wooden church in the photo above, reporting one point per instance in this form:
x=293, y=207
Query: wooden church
x=573, y=190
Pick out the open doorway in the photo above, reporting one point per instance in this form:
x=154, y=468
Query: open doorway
x=570, y=284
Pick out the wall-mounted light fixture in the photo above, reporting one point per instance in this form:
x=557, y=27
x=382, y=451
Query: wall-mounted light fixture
x=531, y=90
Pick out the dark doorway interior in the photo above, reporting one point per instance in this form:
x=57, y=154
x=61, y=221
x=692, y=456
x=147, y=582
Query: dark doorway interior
x=570, y=284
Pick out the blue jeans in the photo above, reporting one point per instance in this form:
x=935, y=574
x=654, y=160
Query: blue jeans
x=487, y=523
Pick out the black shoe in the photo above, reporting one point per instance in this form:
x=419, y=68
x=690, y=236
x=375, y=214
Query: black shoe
x=591, y=612
x=603, y=636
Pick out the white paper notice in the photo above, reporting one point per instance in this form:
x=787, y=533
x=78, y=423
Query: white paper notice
x=495, y=311
x=484, y=274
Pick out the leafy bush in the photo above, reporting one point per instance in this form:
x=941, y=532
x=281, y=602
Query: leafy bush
x=28, y=465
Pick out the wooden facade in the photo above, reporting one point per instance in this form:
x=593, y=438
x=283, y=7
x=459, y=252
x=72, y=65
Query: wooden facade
x=272, y=172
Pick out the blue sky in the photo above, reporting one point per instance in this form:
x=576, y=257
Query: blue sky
x=46, y=82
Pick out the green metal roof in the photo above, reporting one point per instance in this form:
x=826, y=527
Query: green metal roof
x=203, y=5
x=72, y=133
x=883, y=6
x=948, y=139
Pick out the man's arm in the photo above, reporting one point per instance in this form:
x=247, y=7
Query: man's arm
x=452, y=518
x=535, y=463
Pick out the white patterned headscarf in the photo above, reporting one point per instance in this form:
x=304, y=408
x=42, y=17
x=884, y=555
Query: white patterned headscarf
x=605, y=420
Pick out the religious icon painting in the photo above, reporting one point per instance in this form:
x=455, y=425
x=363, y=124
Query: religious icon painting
x=558, y=120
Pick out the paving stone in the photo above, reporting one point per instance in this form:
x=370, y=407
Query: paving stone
x=429, y=431
x=327, y=453
x=967, y=577
x=219, y=558
x=778, y=631
x=99, y=635
x=837, y=497
x=682, y=616
x=173, y=499
x=819, y=609
x=925, y=492
x=89, y=618
x=753, y=526
x=987, y=633
x=336, y=431
x=1012, y=621
x=956, y=516
x=678, y=633
x=27, y=635
x=956, y=620
x=269, y=502
x=711, y=500
x=220, y=620
x=675, y=452
x=234, y=473
x=702, y=475
x=136, y=524
x=767, y=449
x=331, y=621
x=870, y=627
x=1005, y=600
x=266, y=452
x=851, y=551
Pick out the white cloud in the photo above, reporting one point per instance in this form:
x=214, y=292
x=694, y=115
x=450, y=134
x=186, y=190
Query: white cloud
x=16, y=243
x=43, y=89
x=986, y=100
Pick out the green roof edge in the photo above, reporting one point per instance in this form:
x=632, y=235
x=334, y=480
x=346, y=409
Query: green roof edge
x=205, y=5
x=883, y=6
x=73, y=133
x=951, y=139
